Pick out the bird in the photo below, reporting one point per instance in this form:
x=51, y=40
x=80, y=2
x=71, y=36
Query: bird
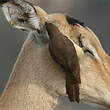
x=67, y=25
x=63, y=52
x=23, y=15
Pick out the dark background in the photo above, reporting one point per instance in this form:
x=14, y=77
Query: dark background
x=94, y=13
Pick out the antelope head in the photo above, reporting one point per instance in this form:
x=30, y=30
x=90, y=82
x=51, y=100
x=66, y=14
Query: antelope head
x=94, y=67
x=93, y=61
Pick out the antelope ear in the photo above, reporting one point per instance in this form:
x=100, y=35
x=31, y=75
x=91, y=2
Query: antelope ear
x=21, y=14
x=33, y=2
x=3, y=1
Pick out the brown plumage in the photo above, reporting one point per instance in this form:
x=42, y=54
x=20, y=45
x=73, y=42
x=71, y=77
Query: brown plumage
x=63, y=52
x=67, y=25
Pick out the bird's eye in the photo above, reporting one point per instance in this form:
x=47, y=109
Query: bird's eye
x=85, y=49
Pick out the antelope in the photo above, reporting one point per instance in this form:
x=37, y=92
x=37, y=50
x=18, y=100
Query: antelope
x=33, y=81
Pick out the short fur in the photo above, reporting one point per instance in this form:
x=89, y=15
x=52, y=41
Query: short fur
x=73, y=21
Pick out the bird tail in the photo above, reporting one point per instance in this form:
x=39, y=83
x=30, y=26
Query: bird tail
x=72, y=89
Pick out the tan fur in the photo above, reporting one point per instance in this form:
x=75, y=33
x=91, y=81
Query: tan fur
x=95, y=74
x=37, y=81
x=41, y=14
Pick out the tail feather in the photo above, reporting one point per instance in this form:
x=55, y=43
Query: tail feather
x=72, y=90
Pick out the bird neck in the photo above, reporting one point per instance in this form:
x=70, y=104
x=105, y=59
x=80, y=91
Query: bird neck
x=36, y=80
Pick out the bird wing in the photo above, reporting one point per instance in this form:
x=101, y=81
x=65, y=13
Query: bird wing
x=21, y=14
x=63, y=52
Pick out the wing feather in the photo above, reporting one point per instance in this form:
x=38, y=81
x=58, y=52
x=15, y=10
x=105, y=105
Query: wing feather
x=63, y=52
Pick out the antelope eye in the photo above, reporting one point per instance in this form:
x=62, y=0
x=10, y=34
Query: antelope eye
x=80, y=41
x=88, y=51
x=85, y=49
